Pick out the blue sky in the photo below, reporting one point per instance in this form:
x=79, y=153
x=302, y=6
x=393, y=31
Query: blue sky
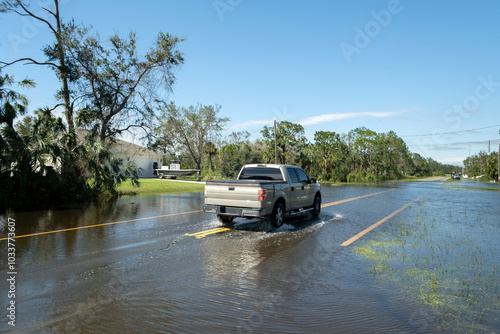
x=428, y=70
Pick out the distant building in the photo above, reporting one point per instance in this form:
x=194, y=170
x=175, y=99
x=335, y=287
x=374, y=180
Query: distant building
x=144, y=158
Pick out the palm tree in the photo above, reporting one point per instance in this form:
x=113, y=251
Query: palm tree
x=29, y=156
x=211, y=150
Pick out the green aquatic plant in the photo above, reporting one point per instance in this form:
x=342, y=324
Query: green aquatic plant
x=439, y=264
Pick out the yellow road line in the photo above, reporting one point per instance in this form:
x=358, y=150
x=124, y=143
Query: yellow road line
x=198, y=235
x=97, y=225
x=355, y=198
x=203, y=234
x=359, y=235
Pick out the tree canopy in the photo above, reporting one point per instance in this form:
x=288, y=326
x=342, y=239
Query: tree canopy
x=482, y=165
x=290, y=142
x=358, y=156
x=119, y=88
x=189, y=128
x=107, y=87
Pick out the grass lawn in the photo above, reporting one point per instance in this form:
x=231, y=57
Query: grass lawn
x=158, y=186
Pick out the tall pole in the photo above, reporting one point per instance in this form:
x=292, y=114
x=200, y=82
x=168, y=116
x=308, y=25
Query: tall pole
x=469, y=155
x=498, y=170
x=275, y=145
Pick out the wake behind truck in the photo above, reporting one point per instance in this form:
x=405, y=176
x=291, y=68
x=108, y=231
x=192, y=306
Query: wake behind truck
x=266, y=191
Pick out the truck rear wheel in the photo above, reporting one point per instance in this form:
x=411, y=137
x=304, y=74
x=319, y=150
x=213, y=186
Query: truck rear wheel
x=278, y=216
x=316, y=206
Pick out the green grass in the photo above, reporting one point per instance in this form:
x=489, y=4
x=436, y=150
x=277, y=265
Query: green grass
x=452, y=180
x=158, y=186
x=473, y=188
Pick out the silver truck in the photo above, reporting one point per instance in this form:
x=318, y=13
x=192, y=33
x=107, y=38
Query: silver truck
x=263, y=191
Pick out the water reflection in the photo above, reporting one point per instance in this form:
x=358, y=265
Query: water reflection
x=67, y=244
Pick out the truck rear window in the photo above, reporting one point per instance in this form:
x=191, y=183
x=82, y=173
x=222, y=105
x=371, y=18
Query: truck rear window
x=261, y=173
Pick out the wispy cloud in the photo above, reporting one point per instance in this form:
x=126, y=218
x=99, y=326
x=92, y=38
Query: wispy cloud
x=326, y=118
x=457, y=161
x=251, y=124
x=445, y=147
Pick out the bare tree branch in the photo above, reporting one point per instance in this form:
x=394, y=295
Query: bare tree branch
x=37, y=17
x=49, y=11
x=56, y=106
x=29, y=61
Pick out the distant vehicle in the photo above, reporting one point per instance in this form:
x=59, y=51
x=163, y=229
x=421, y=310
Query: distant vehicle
x=174, y=170
x=455, y=176
x=264, y=191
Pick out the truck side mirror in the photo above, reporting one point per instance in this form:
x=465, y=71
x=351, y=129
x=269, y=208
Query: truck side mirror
x=314, y=180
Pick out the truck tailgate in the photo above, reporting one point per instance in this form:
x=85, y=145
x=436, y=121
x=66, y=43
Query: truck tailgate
x=234, y=193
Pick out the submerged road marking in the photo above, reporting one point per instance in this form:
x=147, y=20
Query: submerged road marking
x=203, y=234
x=359, y=235
x=97, y=225
x=355, y=198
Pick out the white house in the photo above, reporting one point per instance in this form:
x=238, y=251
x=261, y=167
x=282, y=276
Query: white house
x=144, y=158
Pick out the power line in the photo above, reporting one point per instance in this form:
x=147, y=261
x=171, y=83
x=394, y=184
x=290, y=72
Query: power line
x=447, y=133
x=480, y=142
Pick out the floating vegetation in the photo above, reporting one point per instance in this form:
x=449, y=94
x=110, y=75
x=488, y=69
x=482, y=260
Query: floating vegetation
x=447, y=261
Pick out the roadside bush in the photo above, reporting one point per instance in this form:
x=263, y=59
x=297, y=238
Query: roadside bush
x=361, y=176
x=211, y=175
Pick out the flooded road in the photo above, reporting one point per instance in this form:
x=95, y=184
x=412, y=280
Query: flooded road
x=158, y=264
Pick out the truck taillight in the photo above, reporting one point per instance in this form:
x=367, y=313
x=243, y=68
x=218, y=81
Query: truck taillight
x=262, y=194
x=205, y=192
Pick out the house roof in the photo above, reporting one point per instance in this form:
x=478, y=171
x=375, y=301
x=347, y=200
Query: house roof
x=122, y=146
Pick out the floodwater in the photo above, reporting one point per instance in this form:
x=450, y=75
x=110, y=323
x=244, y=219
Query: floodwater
x=136, y=265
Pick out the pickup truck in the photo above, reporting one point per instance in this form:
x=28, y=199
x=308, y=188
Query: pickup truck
x=265, y=191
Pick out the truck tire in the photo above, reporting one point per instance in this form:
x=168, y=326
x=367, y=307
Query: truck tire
x=225, y=220
x=316, y=206
x=278, y=216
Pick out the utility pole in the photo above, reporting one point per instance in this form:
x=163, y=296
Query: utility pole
x=275, y=145
x=469, y=155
